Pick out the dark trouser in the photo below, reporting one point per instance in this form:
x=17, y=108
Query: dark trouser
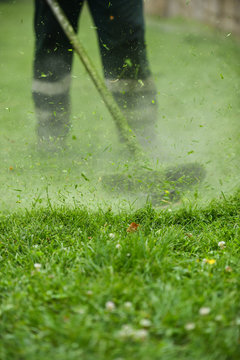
x=120, y=28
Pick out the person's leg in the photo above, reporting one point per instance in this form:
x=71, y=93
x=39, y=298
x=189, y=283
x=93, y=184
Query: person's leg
x=52, y=70
x=120, y=27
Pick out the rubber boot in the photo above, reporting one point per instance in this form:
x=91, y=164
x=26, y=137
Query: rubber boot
x=137, y=100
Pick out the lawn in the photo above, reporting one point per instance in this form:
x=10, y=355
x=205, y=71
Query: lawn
x=78, y=284
x=96, y=274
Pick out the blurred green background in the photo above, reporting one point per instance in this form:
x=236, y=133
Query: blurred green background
x=196, y=68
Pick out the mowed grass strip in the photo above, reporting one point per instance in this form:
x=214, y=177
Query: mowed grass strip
x=76, y=284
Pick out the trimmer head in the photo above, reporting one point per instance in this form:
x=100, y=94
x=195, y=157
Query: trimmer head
x=160, y=186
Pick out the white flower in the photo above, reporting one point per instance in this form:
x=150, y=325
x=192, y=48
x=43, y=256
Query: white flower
x=222, y=244
x=190, y=326
x=126, y=331
x=79, y=310
x=128, y=305
x=89, y=292
x=237, y=321
x=35, y=246
x=118, y=246
x=37, y=266
x=136, y=334
x=145, y=323
x=140, y=334
x=110, y=306
x=219, y=317
x=204, y=311
x=112, y=235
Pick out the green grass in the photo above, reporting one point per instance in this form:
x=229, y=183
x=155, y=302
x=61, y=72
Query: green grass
x=64, y=247
x=157, y=279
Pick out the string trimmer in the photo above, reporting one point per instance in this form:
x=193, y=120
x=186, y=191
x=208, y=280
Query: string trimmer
x=157, y=184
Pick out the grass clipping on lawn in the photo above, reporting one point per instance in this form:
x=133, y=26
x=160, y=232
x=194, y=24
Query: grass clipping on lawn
x=97, y=285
